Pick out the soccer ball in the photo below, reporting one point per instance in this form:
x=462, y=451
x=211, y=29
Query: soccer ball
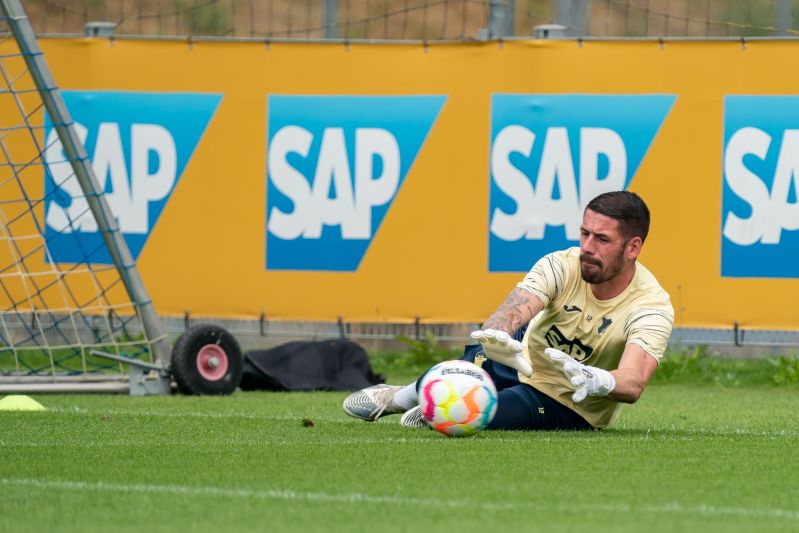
x=457, y=398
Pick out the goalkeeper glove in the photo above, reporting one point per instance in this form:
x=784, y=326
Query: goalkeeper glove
x=500, y=347
x=587, y=380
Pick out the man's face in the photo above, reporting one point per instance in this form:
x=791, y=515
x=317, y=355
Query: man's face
x=602, y=248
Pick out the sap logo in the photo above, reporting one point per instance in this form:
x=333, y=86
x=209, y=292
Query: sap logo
x=772, y=211
x=538, y=208
x=129, y=196
x=351, y=207
x=138, y=144
x=552, y=154
x=760, y=201
x=334, y=167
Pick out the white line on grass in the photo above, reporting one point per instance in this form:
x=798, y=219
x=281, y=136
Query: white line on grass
x=670, y=508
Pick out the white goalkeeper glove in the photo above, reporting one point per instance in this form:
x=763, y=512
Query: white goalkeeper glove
x=587, y=380
x=500, y=347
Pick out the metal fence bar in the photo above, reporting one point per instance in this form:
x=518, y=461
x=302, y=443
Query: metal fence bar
x=783, y=16
x=572, y=14
x=250, y=332
x=331, y=19
x=501, y=18
x=264, y=329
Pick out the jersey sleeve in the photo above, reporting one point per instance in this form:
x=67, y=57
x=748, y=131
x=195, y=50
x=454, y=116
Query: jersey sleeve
x=650, y=328
x=547, y=277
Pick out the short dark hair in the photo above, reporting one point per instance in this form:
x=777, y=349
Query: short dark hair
x=626, y=207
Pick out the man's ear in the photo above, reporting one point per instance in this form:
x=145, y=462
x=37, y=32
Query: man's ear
x=633, y=247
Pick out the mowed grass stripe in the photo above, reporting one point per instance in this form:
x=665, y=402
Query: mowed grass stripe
x=671, y=433
x=360, y=498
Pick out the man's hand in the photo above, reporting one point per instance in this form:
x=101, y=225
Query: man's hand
x=498, y=346
x=587, y=380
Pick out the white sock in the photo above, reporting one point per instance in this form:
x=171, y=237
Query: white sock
x=406, y=397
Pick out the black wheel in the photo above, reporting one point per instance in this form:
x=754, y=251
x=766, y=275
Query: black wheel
x=207, y=360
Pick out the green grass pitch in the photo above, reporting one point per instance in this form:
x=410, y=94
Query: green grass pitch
x=687, y=457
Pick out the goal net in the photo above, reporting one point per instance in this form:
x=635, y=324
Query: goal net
x=55, y=318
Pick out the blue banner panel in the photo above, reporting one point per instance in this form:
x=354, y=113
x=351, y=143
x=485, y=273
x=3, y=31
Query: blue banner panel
x=334, y=166
x=760, y=210
x=550, y=155
x=139, y=145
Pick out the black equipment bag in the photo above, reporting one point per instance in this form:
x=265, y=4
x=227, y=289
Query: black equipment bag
x=336, y=365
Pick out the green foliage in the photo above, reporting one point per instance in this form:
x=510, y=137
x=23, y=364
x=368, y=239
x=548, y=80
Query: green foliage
x=696, y=365
x=407, y=365
x=73, y=360
x=209, y=18
x=786, y=369
x=681, y=363
x=426, y=350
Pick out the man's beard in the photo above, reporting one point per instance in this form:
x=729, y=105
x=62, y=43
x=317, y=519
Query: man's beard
x=604, y=273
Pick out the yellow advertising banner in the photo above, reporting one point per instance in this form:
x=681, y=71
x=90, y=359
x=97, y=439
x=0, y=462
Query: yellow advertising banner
x=387, y=182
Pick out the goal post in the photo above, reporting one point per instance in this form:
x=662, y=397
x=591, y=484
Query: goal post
x=81, y=326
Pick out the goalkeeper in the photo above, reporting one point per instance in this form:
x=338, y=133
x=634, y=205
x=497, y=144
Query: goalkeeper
x=579, y=336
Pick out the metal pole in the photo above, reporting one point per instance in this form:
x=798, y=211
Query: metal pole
x=572, y=15
x=331, y=19
x=62, y=121
x=501, y=18
x=783, y=16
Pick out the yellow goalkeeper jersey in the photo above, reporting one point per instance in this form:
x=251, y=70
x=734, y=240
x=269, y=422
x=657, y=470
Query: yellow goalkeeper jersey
x=592, y=331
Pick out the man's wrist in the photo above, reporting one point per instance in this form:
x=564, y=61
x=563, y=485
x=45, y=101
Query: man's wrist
x=605, y=381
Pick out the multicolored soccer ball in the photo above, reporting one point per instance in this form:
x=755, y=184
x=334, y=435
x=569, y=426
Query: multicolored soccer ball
x=457, y=398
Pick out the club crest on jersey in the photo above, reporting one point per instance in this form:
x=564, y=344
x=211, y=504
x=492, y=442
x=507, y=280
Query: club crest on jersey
x=606, y=322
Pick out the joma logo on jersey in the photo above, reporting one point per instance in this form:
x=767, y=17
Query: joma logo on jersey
x=138, y=144
x=334, y=166
x=760, y=194
x=550, y=155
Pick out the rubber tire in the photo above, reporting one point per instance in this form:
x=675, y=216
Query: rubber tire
x=184, y=361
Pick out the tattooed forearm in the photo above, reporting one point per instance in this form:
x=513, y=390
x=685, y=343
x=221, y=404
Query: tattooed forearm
x=516, y=311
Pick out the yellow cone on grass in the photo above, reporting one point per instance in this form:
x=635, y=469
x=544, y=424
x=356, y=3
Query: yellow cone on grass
x=19, y=402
